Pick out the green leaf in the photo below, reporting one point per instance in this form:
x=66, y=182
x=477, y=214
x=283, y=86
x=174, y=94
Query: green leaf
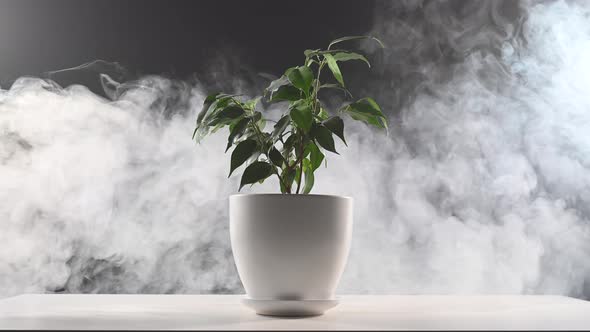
x=276, y=84
x=236, y=130
x=298, y=175
x=336, y=126
x=333, y=65
x=231, y=112
x=276, y=157
x=251, y=104
x=310, y=52
x=346, y=56
x=302, y=116
x=226, y=115
x=288, y=146
x=309, y=179
x=279, y=128
x=281, y=89
x=290, y=141
x=261, y=124
x=256, y=116
x=306, y=151
x=288, y=177
x=375, y=121
x=206, y=104
x=323, y=136
x=370, y=105
x=323, y=114
x=209, y=106
x=256, y=172
x=340, y=40
x=195, y=132
x=368, y=111
x=286, y=92
x=315, y=155
x=200, y=132
x=222, y=101
x=243, y=151
x=301, y=77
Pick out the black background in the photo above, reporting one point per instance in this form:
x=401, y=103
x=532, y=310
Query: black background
x=172, y=38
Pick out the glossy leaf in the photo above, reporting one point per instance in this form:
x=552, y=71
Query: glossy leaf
x=261, y=123
x=308, y=53
x=279, y=128
x=297, y=175
x=256, y=172
x=218, y=105
x=288, y=147
x=315, y=155
x=195, y=131
x=206, y=104
x=368, y=105
x=323, y=136
x=235, y=131
x=256, y=116
x=302, y=116
x=343, y=39
x=276, y=157
x=347, y=56
x=322, y=114
x=285, y=93
x=251, y=104
x=276, y=84
x=243, y=151
x=367, y=110
x=226, y=115
x=376, y=121
x=301, y=77
x=209, y=106
x=333, y=65
x=336, y=126
x=309, y=178
x=290, y=142
x=231, y=112
x=310, y=62
x=217, y=124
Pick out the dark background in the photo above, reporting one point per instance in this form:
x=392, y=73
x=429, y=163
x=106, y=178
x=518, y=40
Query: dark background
x=177, y=39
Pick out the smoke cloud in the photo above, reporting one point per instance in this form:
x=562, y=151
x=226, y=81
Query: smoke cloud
x=481, y=186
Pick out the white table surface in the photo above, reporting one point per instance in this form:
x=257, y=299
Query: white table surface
x=212, y=312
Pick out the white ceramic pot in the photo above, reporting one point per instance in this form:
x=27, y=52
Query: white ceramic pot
x=290, y=247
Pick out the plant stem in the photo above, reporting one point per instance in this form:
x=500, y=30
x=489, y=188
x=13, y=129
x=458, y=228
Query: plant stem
x=299, y=159
x=287, y=189
x=259, y=136
x=317, y=86
x=300, y=165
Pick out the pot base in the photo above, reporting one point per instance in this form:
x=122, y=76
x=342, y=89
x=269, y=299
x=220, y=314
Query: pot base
x=289, y=308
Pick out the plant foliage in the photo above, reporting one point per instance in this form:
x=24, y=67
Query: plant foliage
x=294, y=148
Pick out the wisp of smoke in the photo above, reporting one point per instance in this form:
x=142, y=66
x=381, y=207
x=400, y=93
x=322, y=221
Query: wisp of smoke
x=481, y=186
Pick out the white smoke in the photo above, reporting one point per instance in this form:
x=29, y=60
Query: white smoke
x=104, y=196
x=482, y=185
x=488, y=191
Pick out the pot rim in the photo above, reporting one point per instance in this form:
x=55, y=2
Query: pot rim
x=299, y=196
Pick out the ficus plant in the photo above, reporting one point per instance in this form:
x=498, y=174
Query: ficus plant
x=294, y=147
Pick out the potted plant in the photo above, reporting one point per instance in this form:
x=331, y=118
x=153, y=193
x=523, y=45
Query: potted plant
x=290, y=249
